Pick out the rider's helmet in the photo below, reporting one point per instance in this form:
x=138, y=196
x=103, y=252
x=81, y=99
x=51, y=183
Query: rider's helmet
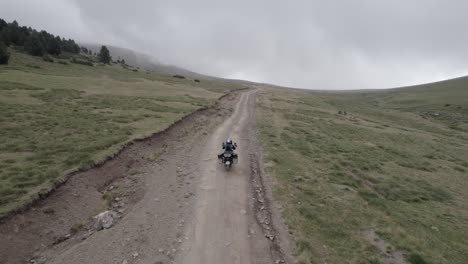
x=229, y=141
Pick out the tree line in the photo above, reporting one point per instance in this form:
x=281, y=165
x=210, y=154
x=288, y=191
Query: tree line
x=36, y=43
x=40, y=43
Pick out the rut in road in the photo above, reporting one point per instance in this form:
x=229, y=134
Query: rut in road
x=223, y=228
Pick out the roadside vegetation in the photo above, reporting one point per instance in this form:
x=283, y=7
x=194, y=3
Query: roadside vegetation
x=64, y=115
x=371, y=176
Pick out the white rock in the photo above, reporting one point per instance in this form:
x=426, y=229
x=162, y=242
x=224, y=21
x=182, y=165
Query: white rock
x=105, y=220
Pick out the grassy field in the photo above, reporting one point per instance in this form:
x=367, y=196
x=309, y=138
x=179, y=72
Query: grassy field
x=371, y=176
x=55, y=117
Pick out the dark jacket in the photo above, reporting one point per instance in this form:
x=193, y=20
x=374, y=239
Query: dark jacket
x=229, y=147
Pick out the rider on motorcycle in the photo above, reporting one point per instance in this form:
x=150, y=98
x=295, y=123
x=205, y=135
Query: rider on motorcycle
x=229, y=147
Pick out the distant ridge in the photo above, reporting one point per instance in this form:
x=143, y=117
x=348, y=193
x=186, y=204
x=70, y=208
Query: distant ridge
x=144, y=61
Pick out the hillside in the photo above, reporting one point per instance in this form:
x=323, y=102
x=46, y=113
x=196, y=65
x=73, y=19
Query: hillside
x=131, y=57
x=59, y=116
x=144, y=61
x=371, y=176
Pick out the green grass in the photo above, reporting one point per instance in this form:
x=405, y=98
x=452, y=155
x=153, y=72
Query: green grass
x=395, y=164
x=58, y=117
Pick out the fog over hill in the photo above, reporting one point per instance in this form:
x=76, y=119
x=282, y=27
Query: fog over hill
x=310, y=44
x=141, y=60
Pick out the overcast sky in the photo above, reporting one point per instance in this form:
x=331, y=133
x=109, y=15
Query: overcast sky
x=312, y=44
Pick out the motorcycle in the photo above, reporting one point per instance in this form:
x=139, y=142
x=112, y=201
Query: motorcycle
x=228, y=158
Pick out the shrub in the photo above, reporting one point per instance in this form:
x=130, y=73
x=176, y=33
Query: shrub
x=178, y=76
x=416, y=259
x=64, y=56
x=196, y=80
x=82, y=62
x=33, y=66
x=47, y=58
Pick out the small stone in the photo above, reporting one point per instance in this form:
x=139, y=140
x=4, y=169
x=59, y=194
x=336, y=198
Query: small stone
x=124, y=261
x=118, y=199
x=135, y=255
x=160, y=250
x=243, y=211
x=105, y=220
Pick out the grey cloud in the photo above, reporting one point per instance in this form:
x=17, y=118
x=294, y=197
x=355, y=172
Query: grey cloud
x=311, y=44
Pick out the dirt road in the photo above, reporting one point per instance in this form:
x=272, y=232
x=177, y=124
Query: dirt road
x=222, y=228
x=174, y=202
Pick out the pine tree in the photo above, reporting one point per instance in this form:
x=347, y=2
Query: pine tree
x=53, y=46
x=104, y=55
x=34, y=46
x=3, y=24
x=4, y=54
x=14, y=35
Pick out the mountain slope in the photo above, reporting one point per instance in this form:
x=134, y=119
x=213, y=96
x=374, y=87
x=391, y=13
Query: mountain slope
x=371, y=176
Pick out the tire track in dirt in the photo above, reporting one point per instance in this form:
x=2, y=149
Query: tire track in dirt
x=224, y=228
